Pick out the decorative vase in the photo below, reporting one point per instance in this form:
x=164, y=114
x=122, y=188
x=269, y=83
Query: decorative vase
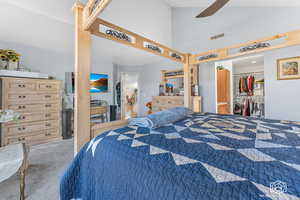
x=3, y=64
x=12, y=65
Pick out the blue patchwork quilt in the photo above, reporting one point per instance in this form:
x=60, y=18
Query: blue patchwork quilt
x=204, y=156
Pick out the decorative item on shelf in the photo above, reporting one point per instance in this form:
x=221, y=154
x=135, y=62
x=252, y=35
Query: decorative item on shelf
x=169, y=89
x=176, y=56
x=288, y=68
x=175, y=73
x=220, y=67
x=153, y=48
x=195, y=90
x=96, y=3
x=118, y=34
x=255, y=46
x=262, y=81
x=161, y=90
x=131, y=102
x=209, y=56
x=149, y=106
x=9, y=59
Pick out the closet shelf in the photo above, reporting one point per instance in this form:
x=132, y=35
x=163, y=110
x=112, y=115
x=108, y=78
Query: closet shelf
x=248, y=73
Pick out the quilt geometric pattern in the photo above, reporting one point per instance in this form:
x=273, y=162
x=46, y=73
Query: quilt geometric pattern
x=242, y=155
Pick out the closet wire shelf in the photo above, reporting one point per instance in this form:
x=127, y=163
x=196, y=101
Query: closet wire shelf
x=240, y=98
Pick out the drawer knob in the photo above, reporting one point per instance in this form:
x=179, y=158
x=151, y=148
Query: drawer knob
x=48, y=86
x=21, y=139
x=48, y=105
x=22, y=97
x=48, y=124
x=22, y=107
x=48, y=96
x=21, y=128
x=48, y=115
x=48, y=134
x=22, y=117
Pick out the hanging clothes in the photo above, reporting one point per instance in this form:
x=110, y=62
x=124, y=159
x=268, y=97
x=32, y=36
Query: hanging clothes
x=250, y=81
x=118, y=91
x=247, y=104
x=246, y=85
x=248, y=107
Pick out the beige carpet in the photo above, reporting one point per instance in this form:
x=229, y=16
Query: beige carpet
x=46, y=165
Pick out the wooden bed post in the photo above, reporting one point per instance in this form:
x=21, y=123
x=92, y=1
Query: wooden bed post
x=82, y=132
x=187, y=82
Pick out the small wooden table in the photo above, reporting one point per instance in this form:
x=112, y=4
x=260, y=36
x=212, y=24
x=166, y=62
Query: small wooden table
x=13, y=159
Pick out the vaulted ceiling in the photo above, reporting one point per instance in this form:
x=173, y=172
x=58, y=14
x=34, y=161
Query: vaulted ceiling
x=238, y=3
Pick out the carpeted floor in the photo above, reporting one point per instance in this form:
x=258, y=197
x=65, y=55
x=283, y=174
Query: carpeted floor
x=47, y=163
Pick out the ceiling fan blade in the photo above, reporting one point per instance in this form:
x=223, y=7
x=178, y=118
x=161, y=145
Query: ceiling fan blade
x=212, y=9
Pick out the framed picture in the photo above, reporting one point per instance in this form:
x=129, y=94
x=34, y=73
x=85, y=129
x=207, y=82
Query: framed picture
x=288, y=68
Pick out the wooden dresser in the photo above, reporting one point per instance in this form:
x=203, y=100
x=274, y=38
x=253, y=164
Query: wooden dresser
x=166, y=102
x=39, y=102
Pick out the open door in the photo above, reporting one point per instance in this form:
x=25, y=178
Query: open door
x=223, y=91
x=129, y=101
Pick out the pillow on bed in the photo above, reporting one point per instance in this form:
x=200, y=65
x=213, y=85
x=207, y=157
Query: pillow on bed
x=161, y=118
x=181, y=111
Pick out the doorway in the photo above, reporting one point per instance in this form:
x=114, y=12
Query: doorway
x=224, y=87
x=130, y=94
x=240, y=86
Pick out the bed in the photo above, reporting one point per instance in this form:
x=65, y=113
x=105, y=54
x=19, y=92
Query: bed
x=203, y=156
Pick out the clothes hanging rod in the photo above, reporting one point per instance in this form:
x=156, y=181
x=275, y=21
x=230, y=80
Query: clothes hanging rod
x=261, y=72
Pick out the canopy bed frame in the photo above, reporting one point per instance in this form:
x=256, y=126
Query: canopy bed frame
x=87, y=24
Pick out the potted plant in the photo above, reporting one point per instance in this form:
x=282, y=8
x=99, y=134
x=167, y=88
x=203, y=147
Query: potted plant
x=220, y=67
x=9, y=59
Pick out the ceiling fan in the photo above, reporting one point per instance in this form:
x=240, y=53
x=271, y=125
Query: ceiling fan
x=213, y=8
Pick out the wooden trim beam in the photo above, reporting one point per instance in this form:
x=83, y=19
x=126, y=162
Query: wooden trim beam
x=187, y=83
x=99, y=129
x=137, y=41
x=92, y=11
x=289, y=39
x=82, y=77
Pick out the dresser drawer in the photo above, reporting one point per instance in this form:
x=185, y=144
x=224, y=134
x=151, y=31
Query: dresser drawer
x=33, y=138
x=48, y=86
x=15, y=130
x=33, y=117
x=32, y=108
x=20, y=85
x=21, y=98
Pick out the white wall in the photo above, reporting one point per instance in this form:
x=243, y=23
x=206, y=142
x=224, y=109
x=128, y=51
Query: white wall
x=44, y=34
x=282, y=96
x=241, y=25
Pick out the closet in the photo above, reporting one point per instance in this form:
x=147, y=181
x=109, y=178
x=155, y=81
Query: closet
x=249, y=90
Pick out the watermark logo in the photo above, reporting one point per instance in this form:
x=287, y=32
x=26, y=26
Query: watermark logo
x=278, y=187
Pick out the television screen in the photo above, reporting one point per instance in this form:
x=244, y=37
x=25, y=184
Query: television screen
x=98, y=83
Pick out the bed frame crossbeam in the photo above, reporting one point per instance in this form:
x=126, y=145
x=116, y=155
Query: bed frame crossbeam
x=100, y=27
x=288, y=39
